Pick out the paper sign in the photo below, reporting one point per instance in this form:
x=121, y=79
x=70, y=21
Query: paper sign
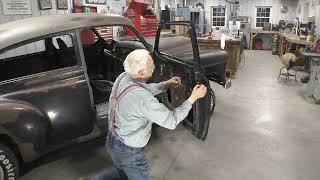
x=16, y=7
x=95, y=1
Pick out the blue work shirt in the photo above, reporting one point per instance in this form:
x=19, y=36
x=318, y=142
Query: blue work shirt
x=137, y=111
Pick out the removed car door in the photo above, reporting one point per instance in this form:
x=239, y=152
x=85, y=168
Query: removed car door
x=176, y=54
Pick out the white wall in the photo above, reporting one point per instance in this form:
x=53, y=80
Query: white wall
x=171, y=3
x=318, y=17
x=115, y=7
x=35, y=11
x=247, y=7
x=308, y=8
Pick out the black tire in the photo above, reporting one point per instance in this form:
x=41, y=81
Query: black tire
x=213, y=101
x=9, y=164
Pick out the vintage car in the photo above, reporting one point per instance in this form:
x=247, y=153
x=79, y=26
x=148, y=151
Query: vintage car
x=56, y=74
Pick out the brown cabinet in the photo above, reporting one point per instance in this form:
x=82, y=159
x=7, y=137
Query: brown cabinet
x=232, y=47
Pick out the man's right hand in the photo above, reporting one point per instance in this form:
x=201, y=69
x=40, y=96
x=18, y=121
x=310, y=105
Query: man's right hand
x=199, y=91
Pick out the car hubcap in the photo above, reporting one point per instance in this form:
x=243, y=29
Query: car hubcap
x=1, y=173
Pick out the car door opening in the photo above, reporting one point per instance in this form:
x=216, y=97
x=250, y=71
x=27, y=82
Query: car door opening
x=105, y=49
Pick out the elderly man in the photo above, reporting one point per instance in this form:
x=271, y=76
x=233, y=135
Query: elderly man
x=133, y=108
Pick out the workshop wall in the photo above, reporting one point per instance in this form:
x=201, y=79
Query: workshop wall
x=35, y=11
x=247, y=8
x=306, y=10
x=112, y=7
x=309, y=10
x=171, y=3
x=318, y=17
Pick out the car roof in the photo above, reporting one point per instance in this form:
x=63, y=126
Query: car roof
x=17, y=31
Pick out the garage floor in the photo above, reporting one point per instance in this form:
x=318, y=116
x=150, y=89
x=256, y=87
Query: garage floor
x=262, y=129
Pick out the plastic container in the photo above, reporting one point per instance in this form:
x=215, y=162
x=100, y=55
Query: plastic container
x=258, y=44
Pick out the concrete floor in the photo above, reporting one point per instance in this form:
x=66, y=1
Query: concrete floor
x=262, y=129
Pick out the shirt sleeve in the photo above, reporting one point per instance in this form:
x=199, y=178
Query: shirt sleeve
x=156, y=88
x=158, y=113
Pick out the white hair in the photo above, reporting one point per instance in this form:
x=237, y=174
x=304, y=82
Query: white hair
x=136, y=61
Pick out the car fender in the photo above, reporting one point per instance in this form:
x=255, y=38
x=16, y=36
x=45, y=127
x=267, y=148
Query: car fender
x=27, y=126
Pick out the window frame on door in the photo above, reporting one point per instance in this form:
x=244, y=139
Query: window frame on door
x=33, y=41
x=263, y=15
x=218, y=16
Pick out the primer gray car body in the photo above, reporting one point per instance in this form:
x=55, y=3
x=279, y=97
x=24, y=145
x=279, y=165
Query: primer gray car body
x=45, y=111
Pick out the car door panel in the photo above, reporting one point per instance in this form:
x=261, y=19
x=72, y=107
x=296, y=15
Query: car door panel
x=63, y=96
x=167, y=69
x=198, y=119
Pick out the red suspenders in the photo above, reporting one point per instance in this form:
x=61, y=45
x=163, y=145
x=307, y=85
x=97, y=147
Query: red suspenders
x=115, y=101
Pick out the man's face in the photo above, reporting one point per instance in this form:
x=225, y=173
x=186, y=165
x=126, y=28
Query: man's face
x=147, y=73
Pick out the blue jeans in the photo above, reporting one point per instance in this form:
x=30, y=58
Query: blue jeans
x=129, y=163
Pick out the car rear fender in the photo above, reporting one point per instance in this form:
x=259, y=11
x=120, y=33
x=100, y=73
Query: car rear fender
x=27, y=125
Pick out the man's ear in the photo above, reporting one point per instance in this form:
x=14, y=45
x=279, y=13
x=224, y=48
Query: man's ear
x=141, y=73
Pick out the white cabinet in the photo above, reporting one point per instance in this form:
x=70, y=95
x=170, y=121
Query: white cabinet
x=313, y=86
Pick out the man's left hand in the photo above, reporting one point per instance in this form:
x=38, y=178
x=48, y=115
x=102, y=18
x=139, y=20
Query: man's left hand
x=174, y=82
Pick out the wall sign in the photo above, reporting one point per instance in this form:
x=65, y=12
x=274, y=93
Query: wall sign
x=16, y=7
x=62, y=4
x=45, y=4
x=95, y=1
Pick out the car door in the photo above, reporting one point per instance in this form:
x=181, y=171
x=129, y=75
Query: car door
x=47, y=75
x=177, y=54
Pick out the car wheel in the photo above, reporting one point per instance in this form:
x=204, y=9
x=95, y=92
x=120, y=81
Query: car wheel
x=213, y=101
x=9, y=165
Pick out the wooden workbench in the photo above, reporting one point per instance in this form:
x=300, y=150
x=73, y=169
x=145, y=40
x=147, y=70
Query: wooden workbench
x=286, y=42
x=232, y=47
x=254, y=33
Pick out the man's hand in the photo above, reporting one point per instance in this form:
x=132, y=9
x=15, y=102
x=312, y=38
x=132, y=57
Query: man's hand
x=199, y=91
x=174, y=82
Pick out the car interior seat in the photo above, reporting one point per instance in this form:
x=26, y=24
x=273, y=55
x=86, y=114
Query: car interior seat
x=62, y=44
x=66, y=54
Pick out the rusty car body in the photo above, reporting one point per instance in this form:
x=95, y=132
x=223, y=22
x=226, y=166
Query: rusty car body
x=50, y=96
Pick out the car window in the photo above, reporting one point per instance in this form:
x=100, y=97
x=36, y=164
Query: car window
x=175, y=40
x=39, y=56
